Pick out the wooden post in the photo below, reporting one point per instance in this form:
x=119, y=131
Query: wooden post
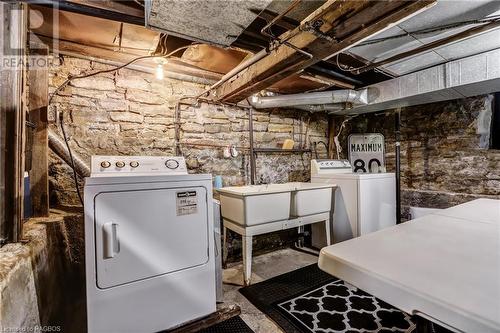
x=38, y=84
x=331, y=135
x=12, y=110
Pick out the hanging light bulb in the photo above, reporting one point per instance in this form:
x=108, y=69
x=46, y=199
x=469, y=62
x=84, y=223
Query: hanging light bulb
x=159, y=71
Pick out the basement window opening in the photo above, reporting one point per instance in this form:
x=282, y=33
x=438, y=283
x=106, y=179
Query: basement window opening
x=495, y=123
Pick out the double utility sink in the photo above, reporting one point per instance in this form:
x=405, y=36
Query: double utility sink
x=258, y=204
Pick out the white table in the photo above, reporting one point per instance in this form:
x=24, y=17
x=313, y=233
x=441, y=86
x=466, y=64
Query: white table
x=247, y=233
x=444, y=267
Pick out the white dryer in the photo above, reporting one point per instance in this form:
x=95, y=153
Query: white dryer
x=363, y=202
x=149, y=244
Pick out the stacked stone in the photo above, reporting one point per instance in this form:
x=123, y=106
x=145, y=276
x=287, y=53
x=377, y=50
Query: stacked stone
x=445, y=158
x=132, y=113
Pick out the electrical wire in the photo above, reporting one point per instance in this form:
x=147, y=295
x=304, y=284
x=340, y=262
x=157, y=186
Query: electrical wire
x=139, y=3
x=75, y=179
x=347, y=69
x=315, y=150
x=71, y=78
x=336, y=140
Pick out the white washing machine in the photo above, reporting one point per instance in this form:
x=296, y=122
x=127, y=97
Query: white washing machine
x=149, y=244
x=363, y=202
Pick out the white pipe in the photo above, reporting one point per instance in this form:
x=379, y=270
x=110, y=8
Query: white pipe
x=324, y=97
x=243, y=65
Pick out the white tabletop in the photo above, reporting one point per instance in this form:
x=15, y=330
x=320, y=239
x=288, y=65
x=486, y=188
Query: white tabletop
x=481, y=210
x=445, y=266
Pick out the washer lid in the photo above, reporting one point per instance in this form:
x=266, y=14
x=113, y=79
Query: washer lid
x=148, y=233
x=353, y=175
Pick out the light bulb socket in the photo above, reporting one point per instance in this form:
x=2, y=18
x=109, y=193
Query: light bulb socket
x=159, y=72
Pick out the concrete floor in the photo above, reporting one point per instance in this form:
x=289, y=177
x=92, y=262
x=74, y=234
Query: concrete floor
x=264, y=267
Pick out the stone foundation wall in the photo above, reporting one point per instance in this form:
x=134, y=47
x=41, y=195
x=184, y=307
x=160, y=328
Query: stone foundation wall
x=445, y=158
x=42, y=286
x=132, y=113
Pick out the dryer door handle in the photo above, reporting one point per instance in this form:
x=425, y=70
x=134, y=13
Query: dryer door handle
x=111, y=244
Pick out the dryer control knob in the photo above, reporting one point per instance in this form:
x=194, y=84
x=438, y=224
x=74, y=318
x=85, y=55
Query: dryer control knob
x=120, y=164
x=172, y=164
x=105, y=164
x=134, y=164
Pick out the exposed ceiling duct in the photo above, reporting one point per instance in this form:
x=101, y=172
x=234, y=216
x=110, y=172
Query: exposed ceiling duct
x=467, y=77
x=445, y=19
x=432, y=45
x=471, y=76
x=307, y=99
x=329, y=108
x=331, y=29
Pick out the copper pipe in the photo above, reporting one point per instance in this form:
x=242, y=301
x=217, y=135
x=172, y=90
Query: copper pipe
x=208, y=145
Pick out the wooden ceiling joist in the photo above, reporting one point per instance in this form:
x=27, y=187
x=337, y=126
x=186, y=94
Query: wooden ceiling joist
x=148, y=65
x=120, y=11
x=347, y=22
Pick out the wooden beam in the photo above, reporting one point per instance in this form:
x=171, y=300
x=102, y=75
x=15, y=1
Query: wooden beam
x=147, y=65
x=329, y=82
x=217, y=317
x=38, y=87
x=110, y=10
x=331, y=137
x=122, y=7
x=12, y=110
x=342, y=24
x=285, y=22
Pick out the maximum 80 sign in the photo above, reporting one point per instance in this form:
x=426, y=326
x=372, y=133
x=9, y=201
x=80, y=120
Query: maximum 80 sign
x=367, y=152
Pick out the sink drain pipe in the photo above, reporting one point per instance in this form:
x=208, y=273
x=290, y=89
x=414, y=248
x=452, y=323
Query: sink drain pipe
x=397, y=130
x=252, y=148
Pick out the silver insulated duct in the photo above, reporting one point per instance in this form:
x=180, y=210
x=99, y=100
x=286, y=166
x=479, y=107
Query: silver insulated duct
x=471, y=76
x=59, y=147
x=357, y=97
x=329, y=108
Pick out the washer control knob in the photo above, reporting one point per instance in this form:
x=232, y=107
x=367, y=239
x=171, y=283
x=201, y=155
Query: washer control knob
x=105, y=164
x=172, y=164
x=120, y=164
x=134, y=164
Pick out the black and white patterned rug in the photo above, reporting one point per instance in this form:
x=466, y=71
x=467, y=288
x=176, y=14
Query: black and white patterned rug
x=336, y=307
x=310, y=301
